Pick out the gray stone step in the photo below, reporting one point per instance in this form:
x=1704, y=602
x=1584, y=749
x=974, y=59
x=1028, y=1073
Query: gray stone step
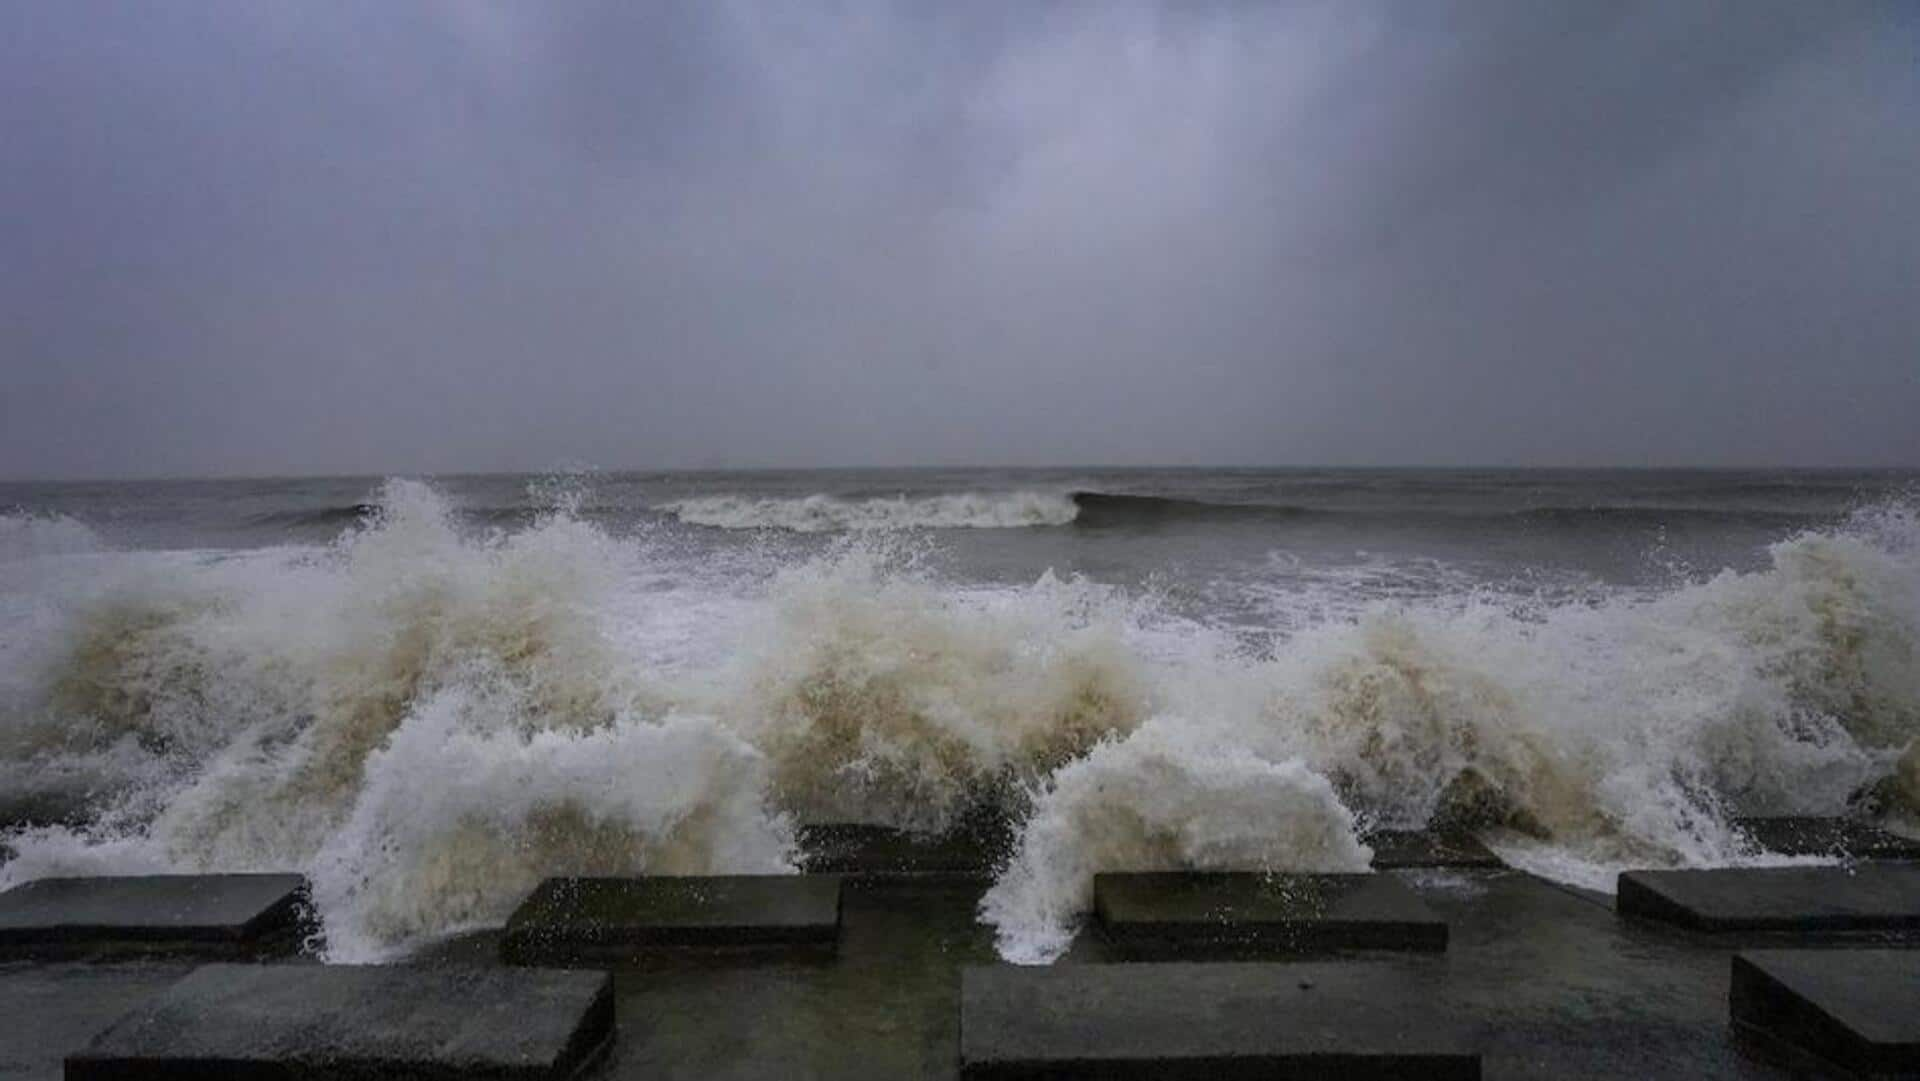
x=211, y=916
x=879, y=851
x=1291, y=912
x=1840, y=838
x=1401, y=849
x=1868, y=898
x=607, y=920
x=318, y=1021
x=1859, y=1009
x=1347, y=1020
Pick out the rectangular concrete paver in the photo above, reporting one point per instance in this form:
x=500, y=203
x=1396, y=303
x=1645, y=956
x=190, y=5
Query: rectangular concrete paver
x=1327, y=1020
x=212, y=916
x=1811, y=900
x=350, y=1021
x=49, y=1011
x=1400, y=849
x=1295, y=912
x=1841, y=838
x=878, y=851
x=606, y=920
x=1857, y=1008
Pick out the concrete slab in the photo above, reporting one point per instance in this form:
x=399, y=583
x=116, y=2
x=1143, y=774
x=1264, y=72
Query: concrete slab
x=608, y=920
x=1840, y=838
x=1804, y=900
x=210, y=916
x=49, y=1011
x=1299, y=913
x=1859, y=1009
x=1408, y=849
x=875, y=851
x=1566, y=991
x=324, y=1021
x=1169, y=1021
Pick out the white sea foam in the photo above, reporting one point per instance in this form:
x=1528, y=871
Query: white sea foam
x=35, y=536
x=1168, y=797
x=426, y=722
x=882, y=698
x=830, y=514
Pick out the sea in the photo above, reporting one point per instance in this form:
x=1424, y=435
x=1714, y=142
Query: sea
x=428, y=693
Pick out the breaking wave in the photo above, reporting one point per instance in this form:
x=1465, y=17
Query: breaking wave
x=427, y=721
x=831, y=514
x=35, y=536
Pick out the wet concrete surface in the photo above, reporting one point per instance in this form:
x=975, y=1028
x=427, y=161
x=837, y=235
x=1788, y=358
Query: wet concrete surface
x=1865, y=899
x=1165, y=914
x=1337, y=1020
x=613, y=921
x=1835, y=838
x=247, y=1021
x=241, y=916
x=1563, y=987
x=1835, y=1005
x=50, y=1010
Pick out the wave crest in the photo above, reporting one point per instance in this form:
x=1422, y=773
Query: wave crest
x=1164, y=798
x=25, y=535
x=883, y=699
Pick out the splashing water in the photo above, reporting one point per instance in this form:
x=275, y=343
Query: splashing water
x=427, y=721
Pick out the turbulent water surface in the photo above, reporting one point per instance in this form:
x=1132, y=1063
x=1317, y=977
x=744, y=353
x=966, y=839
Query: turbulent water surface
x=428, y=695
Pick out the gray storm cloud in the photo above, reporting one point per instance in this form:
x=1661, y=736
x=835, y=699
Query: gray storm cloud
x=371, y=237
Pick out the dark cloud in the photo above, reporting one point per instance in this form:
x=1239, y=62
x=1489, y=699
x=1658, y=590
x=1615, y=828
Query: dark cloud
x=244, y=237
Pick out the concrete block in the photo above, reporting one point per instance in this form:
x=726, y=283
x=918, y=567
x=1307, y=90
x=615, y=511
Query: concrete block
x=241, y=1022
x=1858, y=1009
x=1352, y=1020
x=211, y=916
x=607, y=920
x=1840, y=838
x=1291, y=912
x=1870, y=898
x=878, y=851
x=1402, y=849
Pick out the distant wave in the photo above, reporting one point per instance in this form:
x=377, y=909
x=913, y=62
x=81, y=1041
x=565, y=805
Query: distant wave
x=832, y=514
x=352, y=514
x=1105, y=508
x=1635, y=516
x=822, y=513
x=341, y=516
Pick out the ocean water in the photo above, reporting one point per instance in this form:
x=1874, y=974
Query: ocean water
x=429, y=694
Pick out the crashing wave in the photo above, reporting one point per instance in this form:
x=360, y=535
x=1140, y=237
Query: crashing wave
x=427, y=721
x=36, y=536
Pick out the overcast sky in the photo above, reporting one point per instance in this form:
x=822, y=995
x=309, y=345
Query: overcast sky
x=404, y=236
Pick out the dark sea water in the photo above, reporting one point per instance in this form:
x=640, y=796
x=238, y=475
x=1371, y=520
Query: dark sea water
x=428, y=693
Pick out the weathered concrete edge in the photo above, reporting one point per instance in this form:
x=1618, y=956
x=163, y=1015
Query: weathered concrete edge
x=1636, y=898
x=572, y=945
x=1780, y=1023
x=1332, y=935
x=280, y=930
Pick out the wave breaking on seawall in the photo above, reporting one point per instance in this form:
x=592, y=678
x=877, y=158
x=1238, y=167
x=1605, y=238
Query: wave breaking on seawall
x=427, y=722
